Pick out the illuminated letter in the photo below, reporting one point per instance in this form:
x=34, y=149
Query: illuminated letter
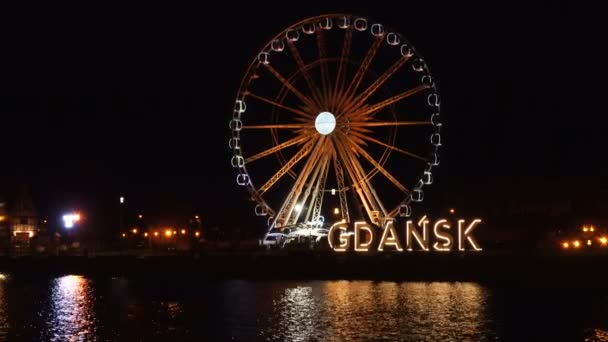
x=343, y=239
x=389, y=237
x=363, y=247
x=447, y=239
x=410, y=231
x=466, y=233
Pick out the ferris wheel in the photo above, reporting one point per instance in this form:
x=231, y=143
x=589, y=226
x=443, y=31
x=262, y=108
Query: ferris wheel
x=336, y=119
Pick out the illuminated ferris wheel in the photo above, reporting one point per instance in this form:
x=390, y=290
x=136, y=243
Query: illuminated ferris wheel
x=336, y=119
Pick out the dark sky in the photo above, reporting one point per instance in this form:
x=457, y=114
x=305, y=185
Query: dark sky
x=100, y=100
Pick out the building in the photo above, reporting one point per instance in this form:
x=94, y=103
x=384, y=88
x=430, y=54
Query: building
x=23, y=218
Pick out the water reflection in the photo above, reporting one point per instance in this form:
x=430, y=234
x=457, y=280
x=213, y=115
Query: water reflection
x=3, y=308
x=72, y=316
x=366, y=310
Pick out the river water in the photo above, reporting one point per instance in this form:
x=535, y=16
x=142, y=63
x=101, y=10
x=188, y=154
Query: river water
x=78, y=308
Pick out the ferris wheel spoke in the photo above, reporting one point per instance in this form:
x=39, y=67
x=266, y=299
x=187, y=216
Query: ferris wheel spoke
x=276, y=148
x=374, y=140
x=303, y=152
x=367, y=61
x=370, y=189
x=341, y=187
x=296, y=190
x=381, y=169
x=279, y=105
x=307, y=101
x=360, y=182
x=342, y=68
x=278, y=126
x=361, y=98
x=316, y=93
x=388, y=123
x=376, y=107
x=324, y=74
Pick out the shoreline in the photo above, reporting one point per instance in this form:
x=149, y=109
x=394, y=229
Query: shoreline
x=507, y=269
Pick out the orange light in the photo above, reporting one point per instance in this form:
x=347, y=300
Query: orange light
x=588, y=242
x=134, y=230
x=168, y=233
x=183, y=231
x=585, y=228
x=452, y=210
x=124, y=235
x=76, y=217
x=155, y=233
x=565, y=245
x=197, y=234
x=175, y=232
x=603, y=240
x=140, y=216
x=576, y=244
x=196, y=217
x=336, y=211
x=592, y=229
x=145, y=234
x=2, y=218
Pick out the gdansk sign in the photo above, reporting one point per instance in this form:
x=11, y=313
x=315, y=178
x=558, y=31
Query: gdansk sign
x=417, y=236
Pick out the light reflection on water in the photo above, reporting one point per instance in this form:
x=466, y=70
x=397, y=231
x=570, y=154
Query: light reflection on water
x=4, y=326
x=365, y=310
x=72, y=316
x=76, y=308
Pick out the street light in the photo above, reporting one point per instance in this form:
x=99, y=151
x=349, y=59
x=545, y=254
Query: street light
x=70, y=219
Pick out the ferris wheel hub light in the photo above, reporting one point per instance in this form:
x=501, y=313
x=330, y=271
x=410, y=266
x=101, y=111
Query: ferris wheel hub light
x=325, y=123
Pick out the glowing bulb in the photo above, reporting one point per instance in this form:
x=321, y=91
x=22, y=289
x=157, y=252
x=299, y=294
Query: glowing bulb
x=565, y=245
x=603, y=240
x=145, y=234
x=299, y=207
x=588, y=242
x=576, y=244
x=183, y=231
x=336, y=211
x=325, y=123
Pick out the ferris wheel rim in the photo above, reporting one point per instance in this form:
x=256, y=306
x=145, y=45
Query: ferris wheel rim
x=242, y=95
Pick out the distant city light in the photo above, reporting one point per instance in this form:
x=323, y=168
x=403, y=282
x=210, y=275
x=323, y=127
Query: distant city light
x=588, y=242
x=2, y=218
x=565, y=245
x=70, y=219
x=336, y=211
x=146, y=234
x=196, y=217
x=124, y=235
x=585, y=228
x=183, y=231
x=168, y=233
x=603, y=240
x=134, y=230
x=122, y=199
x=333, y=191
x=197, y=234
x=591, y=229
x=140, y=216
x=452, y=210
x=576, y=244
x=155, y=233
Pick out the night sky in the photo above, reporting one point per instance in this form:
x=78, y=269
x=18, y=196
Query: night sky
x=103, y=100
